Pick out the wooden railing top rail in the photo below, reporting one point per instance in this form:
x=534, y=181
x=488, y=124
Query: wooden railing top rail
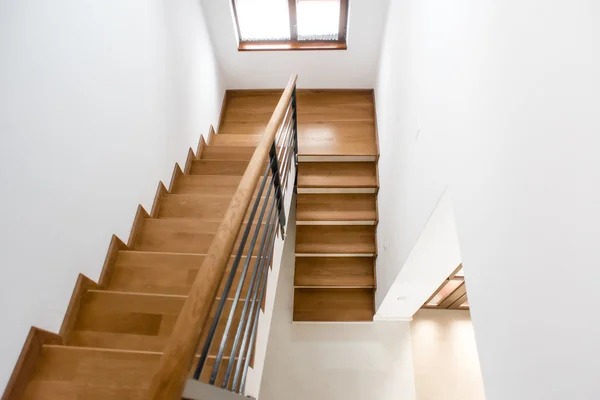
x=169, y=380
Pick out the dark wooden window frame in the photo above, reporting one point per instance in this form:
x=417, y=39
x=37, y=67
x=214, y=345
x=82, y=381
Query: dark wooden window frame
x=294, y=43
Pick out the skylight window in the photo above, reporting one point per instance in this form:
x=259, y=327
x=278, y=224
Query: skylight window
x=291, y=24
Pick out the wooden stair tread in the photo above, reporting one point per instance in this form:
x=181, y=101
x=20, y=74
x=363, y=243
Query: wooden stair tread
x=334, y=305
x=337, y=139
x=164, y=273
x=227, y=152
x=70, y=372
x=233, y=127
x=337, y=175
x=328, y=106
x=137, y=321
x=181, y=235
x=235, y=140
x=336, y=207
x=334, y=271
x=206, y=207
x=218, y=167
x=334, y=239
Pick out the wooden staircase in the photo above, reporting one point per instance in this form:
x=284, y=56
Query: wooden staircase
x=114, y=331
x=336, y=212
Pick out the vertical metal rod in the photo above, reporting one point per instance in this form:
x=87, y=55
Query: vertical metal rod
x=252, y=293
x=277, y=182
x=229, y=283
x=238, y=292
x=254, y=329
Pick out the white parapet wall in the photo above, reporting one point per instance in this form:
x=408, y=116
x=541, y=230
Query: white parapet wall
x=264, y=322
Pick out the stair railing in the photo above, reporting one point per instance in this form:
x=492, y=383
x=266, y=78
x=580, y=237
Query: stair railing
x=266, y=178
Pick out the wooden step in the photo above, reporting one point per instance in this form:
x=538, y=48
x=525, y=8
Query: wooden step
x=328, y=106
x=322, y=177
x=328, y=141
x=333, y=305
x=181, y=235
x=231, y=127
x=218, y=167
x=236, y=140
x=206, y=207
x=140, y=322
x=68, y=372
x=165, y=273
x=335, y=240
x=336, y=208
x=227, y=152
x=206, y=184
x=349, y=272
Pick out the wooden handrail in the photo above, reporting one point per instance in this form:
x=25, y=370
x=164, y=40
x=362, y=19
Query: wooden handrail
x=176, y=361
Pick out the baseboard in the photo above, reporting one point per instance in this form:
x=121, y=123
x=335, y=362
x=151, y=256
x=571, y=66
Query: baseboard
x=25, y=366
x=138, y=223
x=83, y=285
x=114, y=247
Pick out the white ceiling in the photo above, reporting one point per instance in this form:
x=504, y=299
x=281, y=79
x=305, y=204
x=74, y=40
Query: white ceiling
x=352, y=68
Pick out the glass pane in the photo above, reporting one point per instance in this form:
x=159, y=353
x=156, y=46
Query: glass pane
x=318, y=19
x=442, y=294
x=263, y=19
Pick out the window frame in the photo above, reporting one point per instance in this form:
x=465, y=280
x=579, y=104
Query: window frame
x=294, y=44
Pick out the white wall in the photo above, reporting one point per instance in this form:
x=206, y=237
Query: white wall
x=433, y=258
x=445, y=356
x=333, y=361
x=352, y=68
x=504, y=96
x=97, y=102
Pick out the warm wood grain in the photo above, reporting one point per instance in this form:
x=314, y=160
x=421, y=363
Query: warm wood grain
x=188, y=161
x=227, y=153
x=182, y=235
x=160, y=192
x=177, y=173
x=242, y=128
x=202, y=145
x=26, y=363
x=112, y=254
x=460, y=291
x=218, y=167
x=333, y=305
x=334, y=272
x=178, y=355
x=335, y=105
x=163, y=273
x=236, y=140
x=202, y=184
x=205, y=207
x=65, y=372
x=337, y=139
x=82, y=286
x=141, y=216
x=336, y=207
x=337, y=175
x=211, y=135
x=327, y=239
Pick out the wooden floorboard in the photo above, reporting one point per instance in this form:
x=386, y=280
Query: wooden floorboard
x=336, y=207
x=328, y=239
x=334, y=272
x=337, y=175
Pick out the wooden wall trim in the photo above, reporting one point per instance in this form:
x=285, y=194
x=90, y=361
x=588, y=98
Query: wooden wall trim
x=83, y=285
x=177, y=172
x=200, y=148
x=188, y=162
x=138, y=223
x=211, y=134
x=25, y=366
x=114, y=247
x=161, y=190
x=178, y=354
x=224, y=105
